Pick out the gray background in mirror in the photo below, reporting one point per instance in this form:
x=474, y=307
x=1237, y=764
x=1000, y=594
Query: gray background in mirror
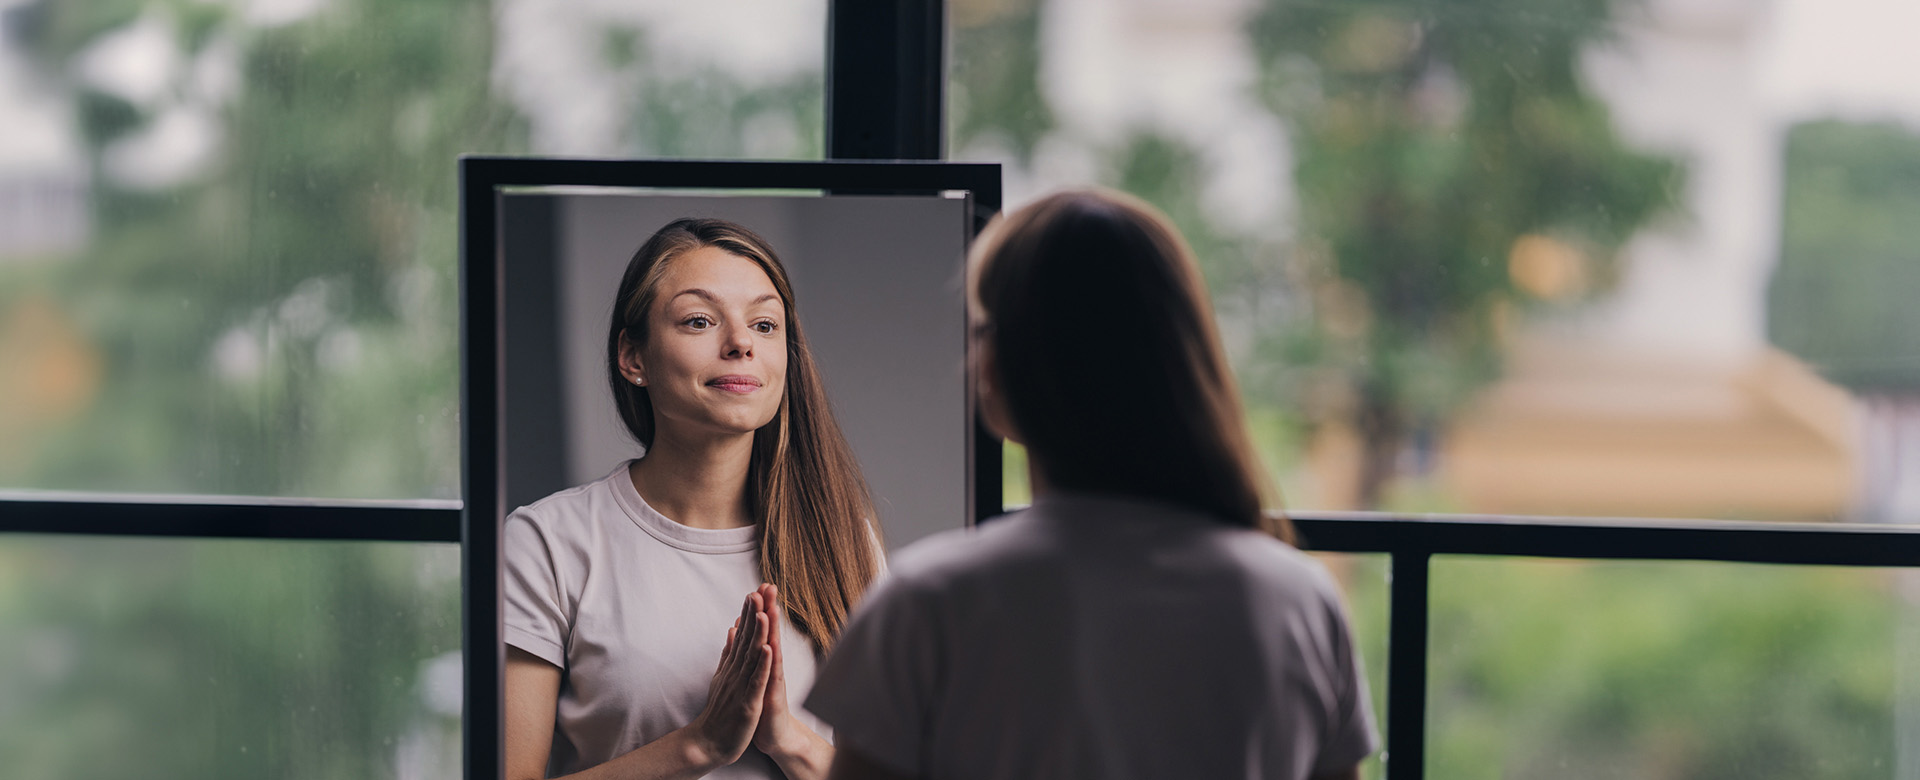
x=879, y=287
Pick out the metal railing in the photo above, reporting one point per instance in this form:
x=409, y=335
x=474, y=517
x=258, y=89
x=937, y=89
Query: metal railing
x=1412, y=541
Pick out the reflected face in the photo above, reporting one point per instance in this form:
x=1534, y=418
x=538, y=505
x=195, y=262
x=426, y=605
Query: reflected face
x=715, y=361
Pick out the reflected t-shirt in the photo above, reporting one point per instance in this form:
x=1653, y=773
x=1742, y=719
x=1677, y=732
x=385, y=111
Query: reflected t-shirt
x=1100, y=637
x=634, y=608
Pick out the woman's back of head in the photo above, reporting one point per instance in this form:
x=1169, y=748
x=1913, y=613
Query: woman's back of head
x=1109, y=365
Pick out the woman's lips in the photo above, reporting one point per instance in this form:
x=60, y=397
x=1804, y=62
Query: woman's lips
x=735, y=383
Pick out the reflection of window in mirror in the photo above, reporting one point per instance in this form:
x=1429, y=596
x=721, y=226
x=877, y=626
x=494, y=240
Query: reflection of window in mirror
x=625, y=565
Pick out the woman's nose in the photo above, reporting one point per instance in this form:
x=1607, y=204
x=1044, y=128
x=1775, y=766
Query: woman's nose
x=740, y=341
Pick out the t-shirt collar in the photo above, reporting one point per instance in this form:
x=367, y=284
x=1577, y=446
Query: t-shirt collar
x=708, y=541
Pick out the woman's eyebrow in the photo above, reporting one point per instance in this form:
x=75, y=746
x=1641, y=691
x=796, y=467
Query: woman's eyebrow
x=715, y=300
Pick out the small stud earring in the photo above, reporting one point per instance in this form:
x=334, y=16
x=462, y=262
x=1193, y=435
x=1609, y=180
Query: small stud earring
x=640, y=381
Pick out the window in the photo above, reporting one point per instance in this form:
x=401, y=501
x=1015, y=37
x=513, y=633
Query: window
x=1616, y=261
x=1482, y=263
x=228, y=312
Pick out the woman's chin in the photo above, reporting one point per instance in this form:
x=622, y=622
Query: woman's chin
x=739, y=426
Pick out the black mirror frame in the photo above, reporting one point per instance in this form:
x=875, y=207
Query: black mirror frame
x=482, y=422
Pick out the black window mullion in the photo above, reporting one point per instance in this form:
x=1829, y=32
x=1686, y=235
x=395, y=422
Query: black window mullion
x=233, y=519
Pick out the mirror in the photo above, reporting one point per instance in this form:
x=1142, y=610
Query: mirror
x=875, y=253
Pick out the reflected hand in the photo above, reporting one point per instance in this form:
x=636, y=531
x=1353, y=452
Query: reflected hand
x=736, y=696
x=777, y=732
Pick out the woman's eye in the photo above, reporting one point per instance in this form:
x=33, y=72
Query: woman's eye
x=764, y=326
x=699, y=323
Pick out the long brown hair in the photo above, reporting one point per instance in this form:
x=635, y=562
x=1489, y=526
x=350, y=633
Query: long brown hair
x=1109, y=361
x=817, y=533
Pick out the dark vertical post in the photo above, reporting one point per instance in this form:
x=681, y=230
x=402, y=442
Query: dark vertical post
x=480, y=473
x=887, y=100
x=1407, y=667
x=886, y=79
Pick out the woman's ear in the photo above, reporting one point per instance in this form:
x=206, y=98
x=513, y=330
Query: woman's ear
x=989, y=388
x=631, y=366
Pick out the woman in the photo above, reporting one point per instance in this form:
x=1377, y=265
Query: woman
x=1145, y=618
x=659, y=619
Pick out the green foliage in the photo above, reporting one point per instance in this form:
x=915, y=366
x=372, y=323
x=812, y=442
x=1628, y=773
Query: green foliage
x=993, y=94
x=175, y=658
x=1850, y=256
x=318, y=245
x=1661, y=670
x=1168, y=174
x=709, y=114
x=320, y=239
x=281, y=320
x=703, y=111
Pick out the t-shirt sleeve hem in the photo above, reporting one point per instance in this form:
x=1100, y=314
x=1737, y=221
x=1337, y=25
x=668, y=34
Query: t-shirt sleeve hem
x=900, y=760
x=541, y=647
x=1346, y=755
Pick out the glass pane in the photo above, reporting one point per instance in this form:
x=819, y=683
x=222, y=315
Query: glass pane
x=1671, y=670
x=140, y=658
x=1613, y=258
x=228, y=230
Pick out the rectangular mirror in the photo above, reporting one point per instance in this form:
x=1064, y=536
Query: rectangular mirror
x=875, y=253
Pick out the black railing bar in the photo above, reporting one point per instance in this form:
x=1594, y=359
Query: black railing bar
x=1406, y=693
x=1598, y=521
x=331, y=521
x=208, y=499
x=1784, y=543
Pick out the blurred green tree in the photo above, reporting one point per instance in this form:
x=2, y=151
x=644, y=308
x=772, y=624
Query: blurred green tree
x=994, y=102
x=278, y=320
x=1450, y=165
x=141, y=658
x=273, y=317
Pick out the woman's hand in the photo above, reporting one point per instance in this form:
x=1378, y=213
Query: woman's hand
x=797, y=749
x=736, y=698
x=777, y=728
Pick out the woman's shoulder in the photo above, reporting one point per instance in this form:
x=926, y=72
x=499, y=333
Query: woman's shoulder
x=565, y=508
x=978, y=551
x=1286, y=574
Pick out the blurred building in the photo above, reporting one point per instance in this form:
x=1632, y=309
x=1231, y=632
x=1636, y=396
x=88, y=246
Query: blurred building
x=43, y=188
x=1667, y=399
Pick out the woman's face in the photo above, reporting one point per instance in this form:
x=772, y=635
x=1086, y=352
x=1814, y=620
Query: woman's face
x=715, y=361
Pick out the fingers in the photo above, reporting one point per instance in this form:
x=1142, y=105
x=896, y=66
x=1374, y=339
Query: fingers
x=737, y=697
x=745, y=635
x=762, y=672
x=757, y=628
x=750, y=630
x=734, y=655
x=775, y=615
x=754, y=672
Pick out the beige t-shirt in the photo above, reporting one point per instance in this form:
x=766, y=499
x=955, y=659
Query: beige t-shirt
x=1100, y=637
x=634, y=608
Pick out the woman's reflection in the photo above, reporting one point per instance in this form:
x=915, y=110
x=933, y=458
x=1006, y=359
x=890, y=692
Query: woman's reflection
x=665, y=620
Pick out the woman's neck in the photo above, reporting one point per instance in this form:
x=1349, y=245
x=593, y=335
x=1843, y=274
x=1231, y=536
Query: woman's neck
x=699, y=483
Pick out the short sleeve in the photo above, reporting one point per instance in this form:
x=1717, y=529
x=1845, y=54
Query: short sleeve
x=1351, y=735
x=879, y=685
x=534, y=613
